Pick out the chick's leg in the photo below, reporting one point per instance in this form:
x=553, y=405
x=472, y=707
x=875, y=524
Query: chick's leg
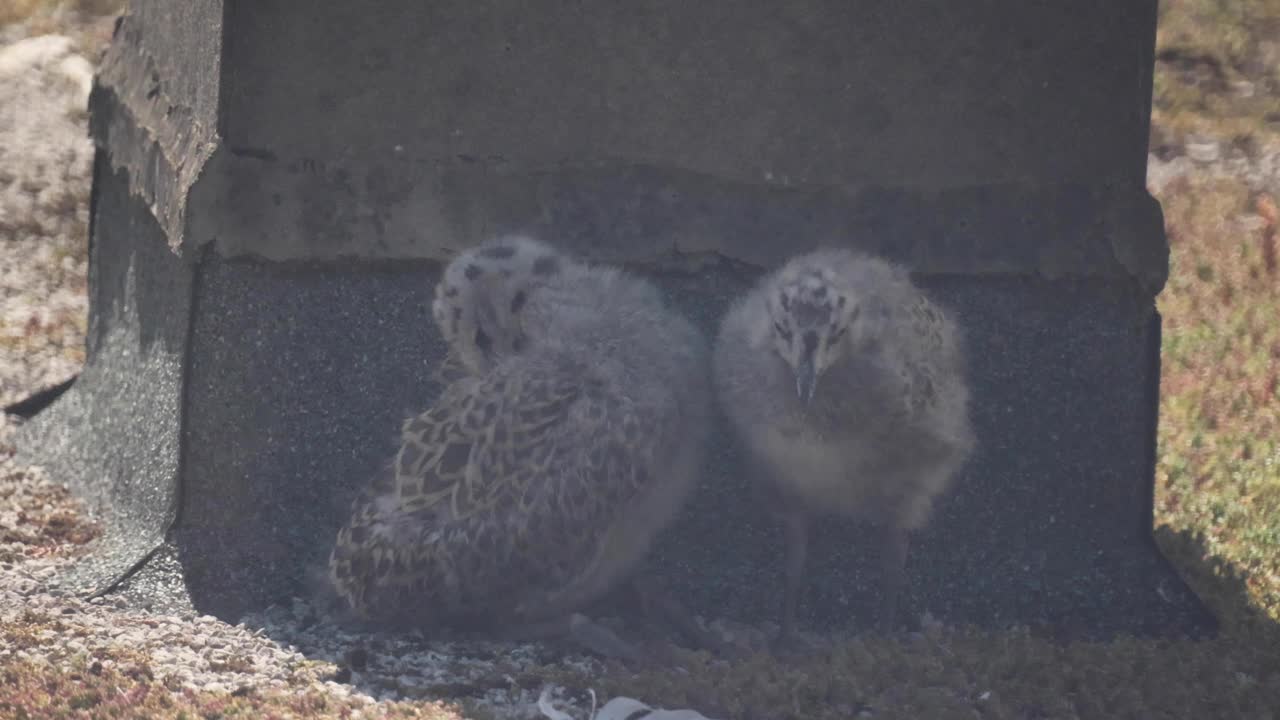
x=796, y=530
x=893, y=563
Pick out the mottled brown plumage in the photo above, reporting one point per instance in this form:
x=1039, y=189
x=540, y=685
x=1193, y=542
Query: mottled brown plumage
x=569, y=437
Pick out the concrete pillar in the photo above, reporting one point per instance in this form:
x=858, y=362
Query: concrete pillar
x=277, y=185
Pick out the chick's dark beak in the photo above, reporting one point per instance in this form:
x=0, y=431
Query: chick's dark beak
x=806, y=379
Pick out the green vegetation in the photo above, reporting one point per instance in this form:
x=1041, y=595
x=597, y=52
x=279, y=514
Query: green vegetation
x=1219, y=465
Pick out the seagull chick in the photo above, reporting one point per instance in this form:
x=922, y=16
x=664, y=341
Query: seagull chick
x=847, y=386
x=541, y=476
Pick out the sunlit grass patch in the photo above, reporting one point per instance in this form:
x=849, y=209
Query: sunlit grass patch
x=127, y=683
x=93, y=688
x=1219, y=464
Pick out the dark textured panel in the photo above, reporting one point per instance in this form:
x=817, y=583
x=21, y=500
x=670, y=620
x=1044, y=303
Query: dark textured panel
x=1048, y=523
x=300, y=378
x=114, y=435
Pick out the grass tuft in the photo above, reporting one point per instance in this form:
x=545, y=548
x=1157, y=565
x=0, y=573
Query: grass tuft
x=1219, y=466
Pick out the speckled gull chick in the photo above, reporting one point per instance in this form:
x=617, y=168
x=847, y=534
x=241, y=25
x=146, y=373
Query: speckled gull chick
x=539, y=479
x=847, y=386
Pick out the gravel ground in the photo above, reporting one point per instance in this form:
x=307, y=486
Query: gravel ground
x=42, y=528
x=45, y=160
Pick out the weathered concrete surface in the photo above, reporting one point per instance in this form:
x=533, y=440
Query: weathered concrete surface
x=998, y=149
x=154, y=108
x=460, y=117
x=623, y=213
x=814, y=92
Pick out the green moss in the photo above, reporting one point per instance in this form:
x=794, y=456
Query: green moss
x=1219, y=465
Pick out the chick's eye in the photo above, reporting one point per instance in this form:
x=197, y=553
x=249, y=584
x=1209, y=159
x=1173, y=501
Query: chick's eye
x=482, y=341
